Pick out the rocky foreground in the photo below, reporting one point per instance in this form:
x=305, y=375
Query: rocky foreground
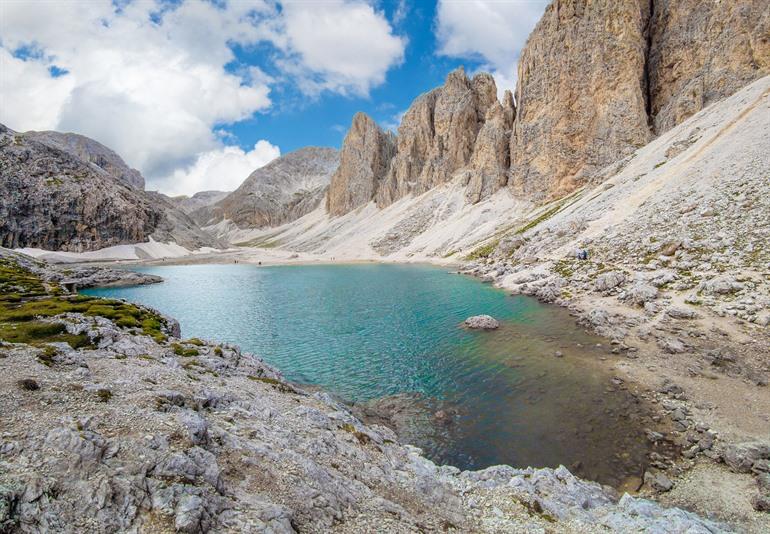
x=111, y=422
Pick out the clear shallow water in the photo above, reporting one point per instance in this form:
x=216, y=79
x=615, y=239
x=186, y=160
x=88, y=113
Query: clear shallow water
x=364, y=332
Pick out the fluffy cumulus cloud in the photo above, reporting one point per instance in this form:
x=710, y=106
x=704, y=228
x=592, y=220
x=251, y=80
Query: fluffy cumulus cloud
x=490, y=31
x=340, y=46
x=155, y=79
x=222, y=169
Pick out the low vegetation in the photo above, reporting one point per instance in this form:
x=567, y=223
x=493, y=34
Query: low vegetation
x=28, y=306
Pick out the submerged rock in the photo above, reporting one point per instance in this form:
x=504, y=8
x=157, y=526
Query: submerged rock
x=482, y=322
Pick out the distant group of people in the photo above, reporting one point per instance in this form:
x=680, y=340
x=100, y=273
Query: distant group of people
x=582, y=254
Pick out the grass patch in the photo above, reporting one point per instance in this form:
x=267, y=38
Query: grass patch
x=484, y=251
x=25, y=299
x=180, y=350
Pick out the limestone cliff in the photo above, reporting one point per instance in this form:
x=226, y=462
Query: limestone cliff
x=52, y=199
x=701, y=52
x=580, y=95
x=437, y=136
x=364, y=160
x=87, y=149
x=283, y=190
x=597, y=79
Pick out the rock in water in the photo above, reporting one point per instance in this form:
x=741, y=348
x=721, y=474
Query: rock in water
x=482, y=322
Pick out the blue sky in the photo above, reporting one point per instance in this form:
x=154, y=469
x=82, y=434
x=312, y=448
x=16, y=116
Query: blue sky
x=296, y=120
x=196, y=94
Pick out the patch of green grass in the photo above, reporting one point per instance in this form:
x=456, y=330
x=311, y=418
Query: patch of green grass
x=218, y=351
x=195, y=341
x=484, y=251
x=180, y=350
x=564, y=269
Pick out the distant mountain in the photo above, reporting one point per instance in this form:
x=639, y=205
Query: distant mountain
x=199, y=200
x=282, y=191
x=51, y=198
x=87, y=149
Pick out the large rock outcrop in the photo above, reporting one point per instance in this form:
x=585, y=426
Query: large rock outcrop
x=701, y=52
x=437, y=136
x=364, y=160
x=580, y=95
x=597, y=79
x=87, y=149
x=52, y=199
x=282, y=191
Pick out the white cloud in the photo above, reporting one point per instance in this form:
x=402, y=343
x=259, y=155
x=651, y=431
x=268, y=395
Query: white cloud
x=152, y=90
x=342, y=46
x=223, y=169
x=491, y=31
x=151, y=79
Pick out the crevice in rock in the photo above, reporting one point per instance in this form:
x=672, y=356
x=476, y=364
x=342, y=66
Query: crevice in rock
x=647, y=82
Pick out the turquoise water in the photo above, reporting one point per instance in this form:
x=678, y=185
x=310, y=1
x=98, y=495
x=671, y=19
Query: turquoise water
x=370, y=331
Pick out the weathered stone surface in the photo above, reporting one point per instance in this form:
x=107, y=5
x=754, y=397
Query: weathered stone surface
x=482, y=322
x=598, y=79
x=283, y=190
x=580, y=99
x=701, y=52
x=490, y=161
x=438, y=137
x=92, y=151
x=52, y=199
x=741, y=457
x=364, y=161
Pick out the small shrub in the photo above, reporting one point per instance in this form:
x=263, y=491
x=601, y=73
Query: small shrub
x=218, y=351
x=28, y=384
x=103, y=394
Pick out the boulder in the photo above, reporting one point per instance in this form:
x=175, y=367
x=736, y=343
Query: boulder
x=482, y=322
x=742, y=457
x=608, y=281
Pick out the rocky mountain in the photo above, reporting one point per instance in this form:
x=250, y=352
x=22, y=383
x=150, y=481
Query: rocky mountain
x=199, y=200
x=282, y=191
x=597, y=80
x=54, y=200
x=87, y=149
x=364, y=160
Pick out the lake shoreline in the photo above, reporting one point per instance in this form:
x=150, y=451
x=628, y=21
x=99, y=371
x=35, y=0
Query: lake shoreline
x=646, y=367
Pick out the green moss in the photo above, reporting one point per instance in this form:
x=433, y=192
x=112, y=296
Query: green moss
x=484, y=251
x=180, y=350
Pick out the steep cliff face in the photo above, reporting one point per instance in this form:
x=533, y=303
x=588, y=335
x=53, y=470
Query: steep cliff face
x=597, y=79
x=437, y=136
x=703, y=51
x=283, y=190
x=51, y=199
x=580, y=94
x=364, y=160
x=87, y=149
